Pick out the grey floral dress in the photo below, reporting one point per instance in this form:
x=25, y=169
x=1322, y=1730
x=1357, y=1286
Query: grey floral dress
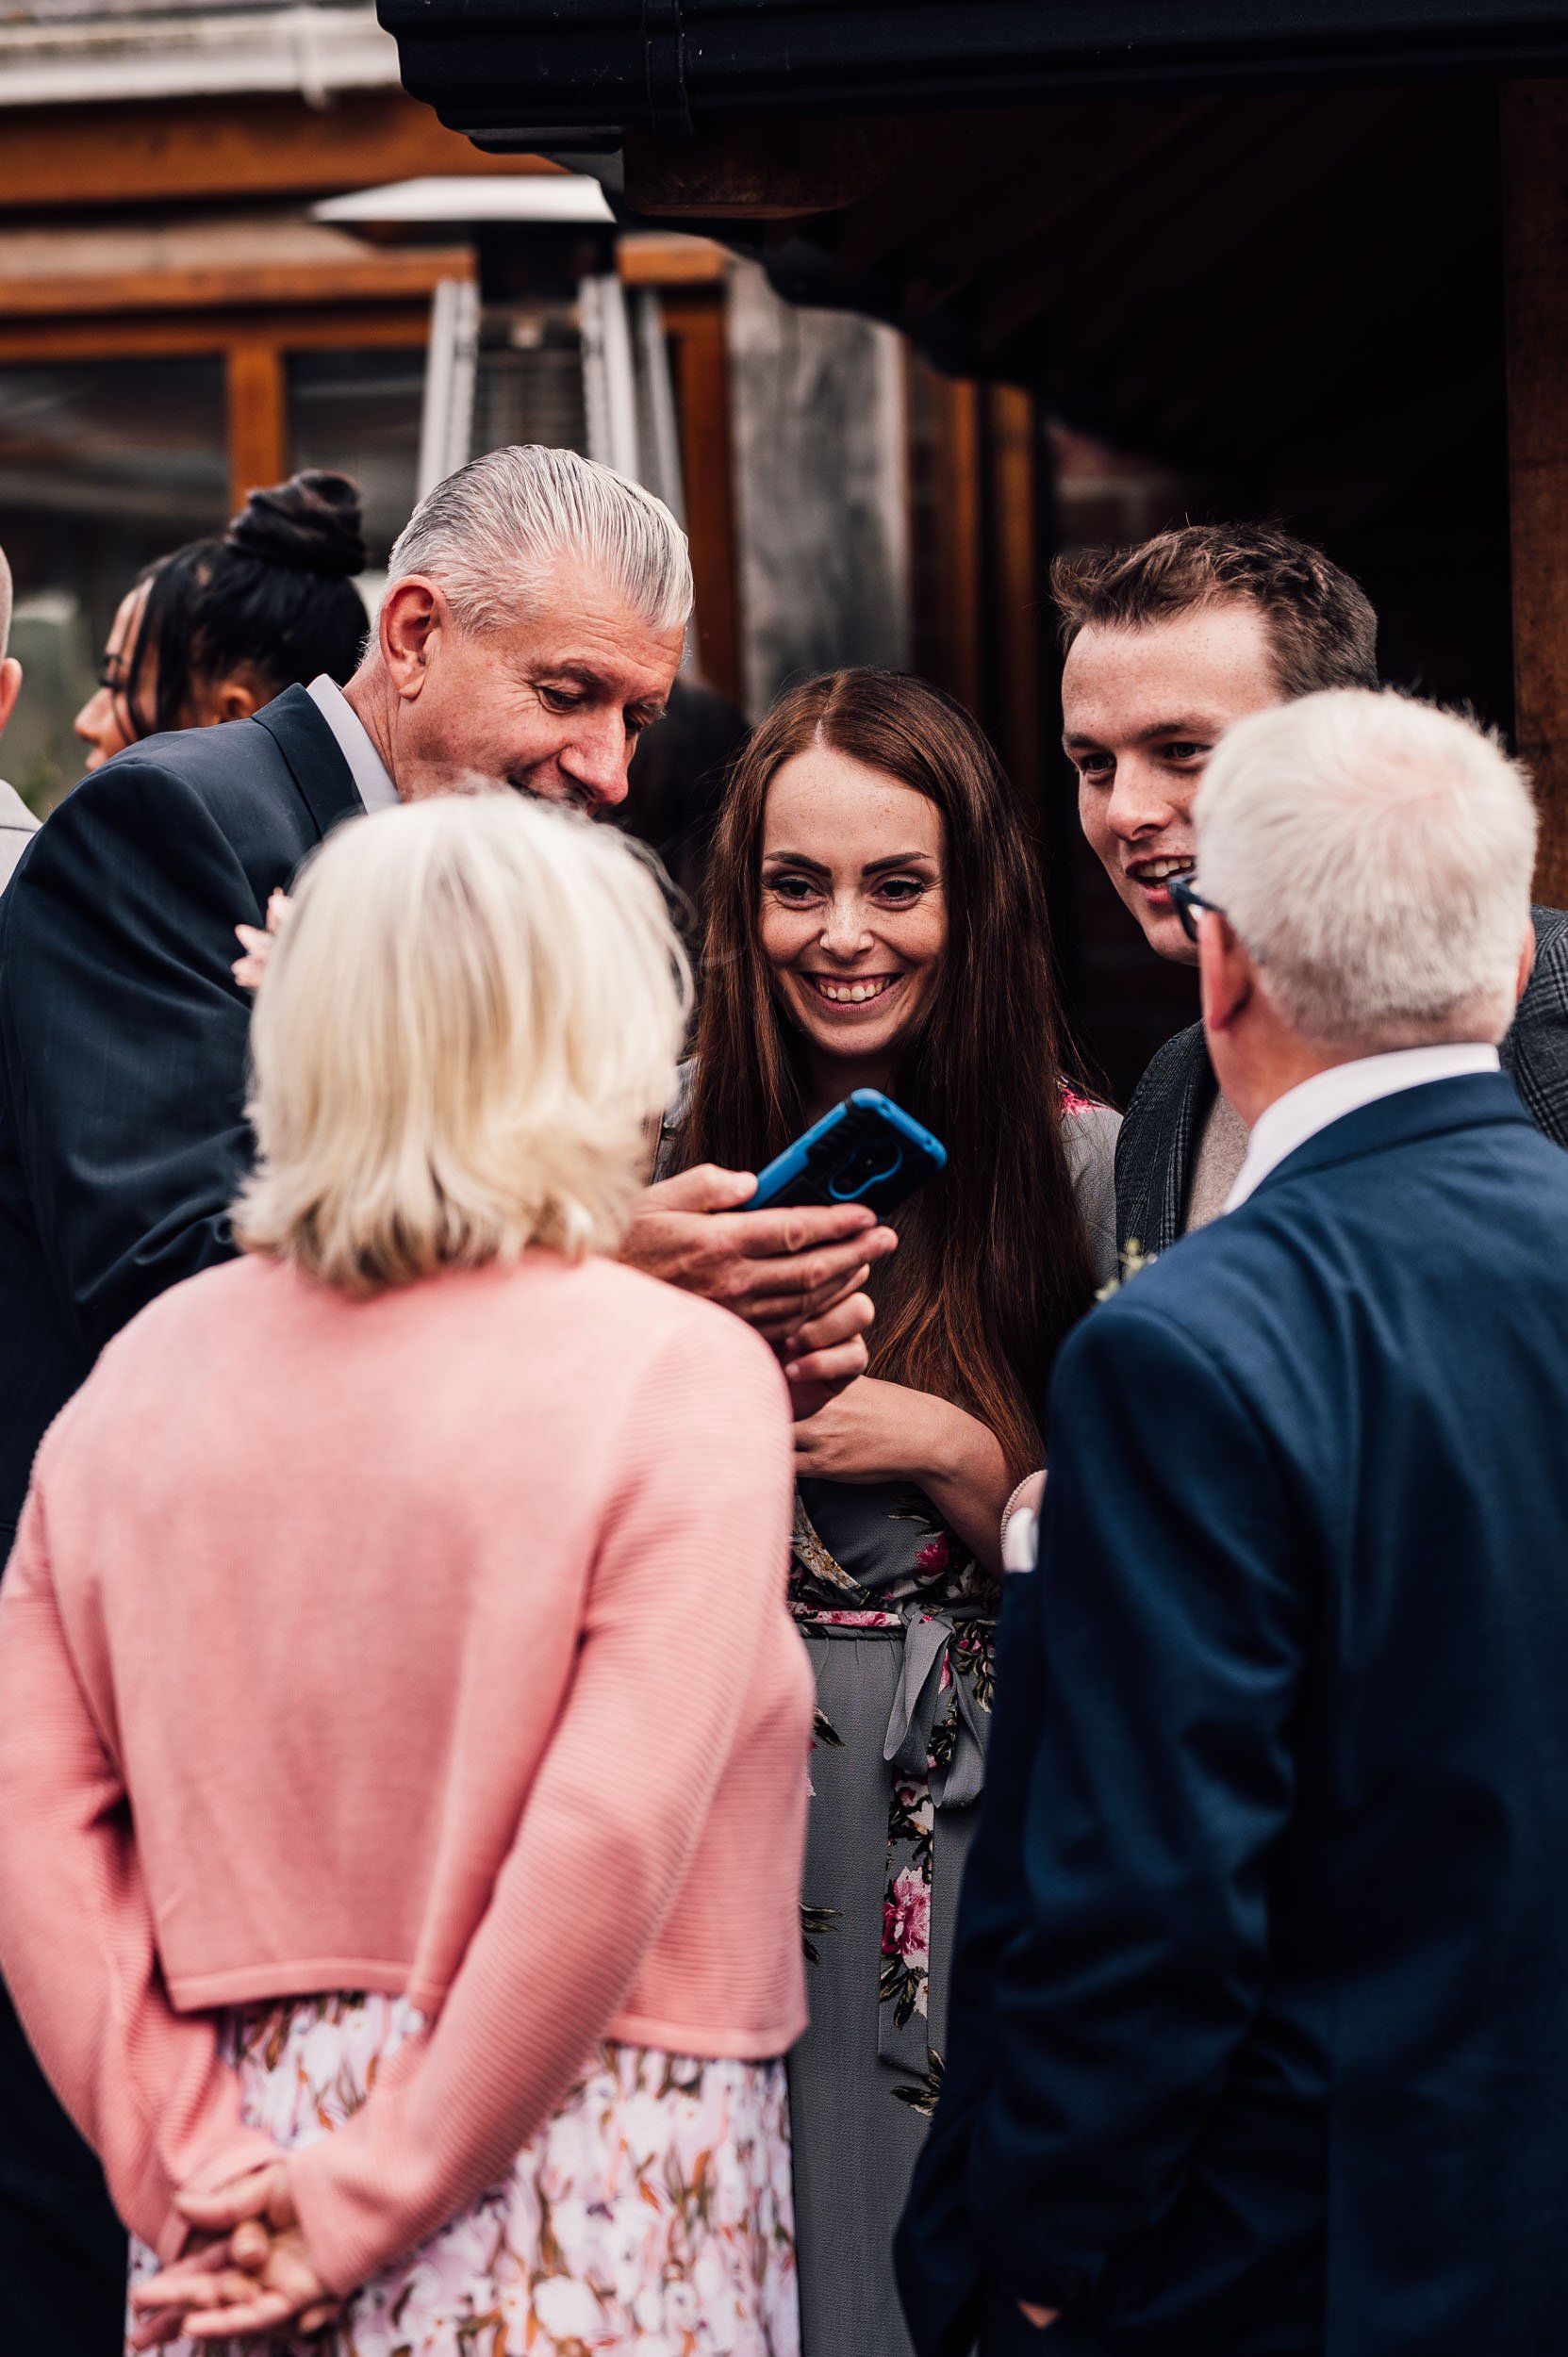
x=900, y=1622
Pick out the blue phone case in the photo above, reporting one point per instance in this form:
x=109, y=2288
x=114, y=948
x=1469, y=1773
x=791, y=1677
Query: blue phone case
x=866, y=1151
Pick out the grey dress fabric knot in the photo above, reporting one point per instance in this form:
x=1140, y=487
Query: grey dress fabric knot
x=955, y=1782
x=935, y=1746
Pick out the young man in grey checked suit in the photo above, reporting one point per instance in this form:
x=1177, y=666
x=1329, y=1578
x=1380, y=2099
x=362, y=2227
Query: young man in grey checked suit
x=1167, y=644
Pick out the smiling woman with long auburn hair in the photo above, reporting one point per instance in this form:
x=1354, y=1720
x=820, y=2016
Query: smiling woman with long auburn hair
x=877, y=919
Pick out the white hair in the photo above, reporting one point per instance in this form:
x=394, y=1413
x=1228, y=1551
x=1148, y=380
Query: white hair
x=493, y=533
x=463, y=1031
x=1375, y=856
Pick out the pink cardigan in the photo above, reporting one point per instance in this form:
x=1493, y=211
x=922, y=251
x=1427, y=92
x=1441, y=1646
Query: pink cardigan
x=438, y=1644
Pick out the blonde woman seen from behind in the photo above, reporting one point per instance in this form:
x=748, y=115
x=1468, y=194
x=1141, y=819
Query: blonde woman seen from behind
x=400, y=1612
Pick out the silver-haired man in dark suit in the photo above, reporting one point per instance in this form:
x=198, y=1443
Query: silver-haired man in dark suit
x=532, y=628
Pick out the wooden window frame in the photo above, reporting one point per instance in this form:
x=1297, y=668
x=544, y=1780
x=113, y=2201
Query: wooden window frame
x=695, y=321
x=253, y=349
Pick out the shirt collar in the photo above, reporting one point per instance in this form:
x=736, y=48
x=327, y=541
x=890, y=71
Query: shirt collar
x=1328, y=1097
x=375, y=787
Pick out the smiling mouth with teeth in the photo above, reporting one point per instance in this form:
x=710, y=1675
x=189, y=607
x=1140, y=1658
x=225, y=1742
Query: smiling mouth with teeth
x=1151, y=877
x=852, y=994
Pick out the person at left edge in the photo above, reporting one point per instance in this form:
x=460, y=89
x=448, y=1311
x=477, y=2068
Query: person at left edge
x=16, y=820
x=532, y=629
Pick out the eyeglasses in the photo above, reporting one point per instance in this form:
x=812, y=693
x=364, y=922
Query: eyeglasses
x=1189, y=903
x=117, y=684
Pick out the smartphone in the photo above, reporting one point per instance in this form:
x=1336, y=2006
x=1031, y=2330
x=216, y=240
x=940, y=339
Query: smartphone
x=866, y=1151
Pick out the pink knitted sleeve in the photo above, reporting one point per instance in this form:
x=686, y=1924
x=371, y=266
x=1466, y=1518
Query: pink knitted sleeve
x=689, y=1569
x=144, y=2084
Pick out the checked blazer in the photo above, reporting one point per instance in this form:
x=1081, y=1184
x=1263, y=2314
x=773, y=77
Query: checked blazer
x=1157, y=1146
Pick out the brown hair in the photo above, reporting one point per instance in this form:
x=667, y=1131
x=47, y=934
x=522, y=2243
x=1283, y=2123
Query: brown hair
x=992, y=1267
x=1321, y=625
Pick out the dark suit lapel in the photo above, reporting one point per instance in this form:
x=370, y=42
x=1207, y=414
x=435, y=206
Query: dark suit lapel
x=1159, y=1142
x=1536, y=1050
x=1198, y=1090
x=314, y=756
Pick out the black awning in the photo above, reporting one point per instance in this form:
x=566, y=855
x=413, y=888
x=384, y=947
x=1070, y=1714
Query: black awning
x=551, y=73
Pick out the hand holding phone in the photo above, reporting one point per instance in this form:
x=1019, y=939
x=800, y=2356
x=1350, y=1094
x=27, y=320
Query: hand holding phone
x=865, y=1151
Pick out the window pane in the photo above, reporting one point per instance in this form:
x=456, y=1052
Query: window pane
x=359, y=413
x=104, y=465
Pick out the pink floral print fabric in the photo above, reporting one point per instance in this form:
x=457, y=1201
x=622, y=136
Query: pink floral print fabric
x=652, y=2214
x=946, y=1605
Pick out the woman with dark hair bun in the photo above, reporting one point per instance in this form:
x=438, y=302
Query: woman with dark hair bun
x=221, y=626
x=877, y=919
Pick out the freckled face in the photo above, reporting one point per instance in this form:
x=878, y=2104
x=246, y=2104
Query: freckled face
x=105, y=722
x=854, y=918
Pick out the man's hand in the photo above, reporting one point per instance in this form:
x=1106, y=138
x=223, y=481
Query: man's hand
x=826, y=1355
x=777, y=1270
x=1039, y=2317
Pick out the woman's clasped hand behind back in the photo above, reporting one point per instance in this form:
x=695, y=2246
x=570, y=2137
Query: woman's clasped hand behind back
x=876, y=920
x=401, y=1859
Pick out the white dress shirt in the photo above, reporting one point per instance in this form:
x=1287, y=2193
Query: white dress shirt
x=376, y=790
x=1328, y=1097
x=17, y=825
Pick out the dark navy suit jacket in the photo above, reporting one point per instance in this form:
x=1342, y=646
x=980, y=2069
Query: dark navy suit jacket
x=122, y=1036
x=122, y=1141
x=1258, y=2030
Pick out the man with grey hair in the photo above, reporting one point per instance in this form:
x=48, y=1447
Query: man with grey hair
x=1259, y=2029
x=532, y=629
x=16, y=820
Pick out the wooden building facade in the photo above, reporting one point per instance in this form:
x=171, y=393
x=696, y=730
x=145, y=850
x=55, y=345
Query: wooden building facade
x=1305, y=261
x=178, y=324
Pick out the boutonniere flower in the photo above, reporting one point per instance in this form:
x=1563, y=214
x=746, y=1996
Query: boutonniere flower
x=1127, y=1264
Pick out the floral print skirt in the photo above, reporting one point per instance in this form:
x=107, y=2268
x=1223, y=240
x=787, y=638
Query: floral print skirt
x=653, y=2213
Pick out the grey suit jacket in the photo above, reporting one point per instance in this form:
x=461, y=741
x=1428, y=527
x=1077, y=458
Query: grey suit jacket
x=1157, y=1146
x=17, y=828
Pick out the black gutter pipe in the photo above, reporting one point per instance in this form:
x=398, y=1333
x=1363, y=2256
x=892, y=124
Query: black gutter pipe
x=524, y=74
